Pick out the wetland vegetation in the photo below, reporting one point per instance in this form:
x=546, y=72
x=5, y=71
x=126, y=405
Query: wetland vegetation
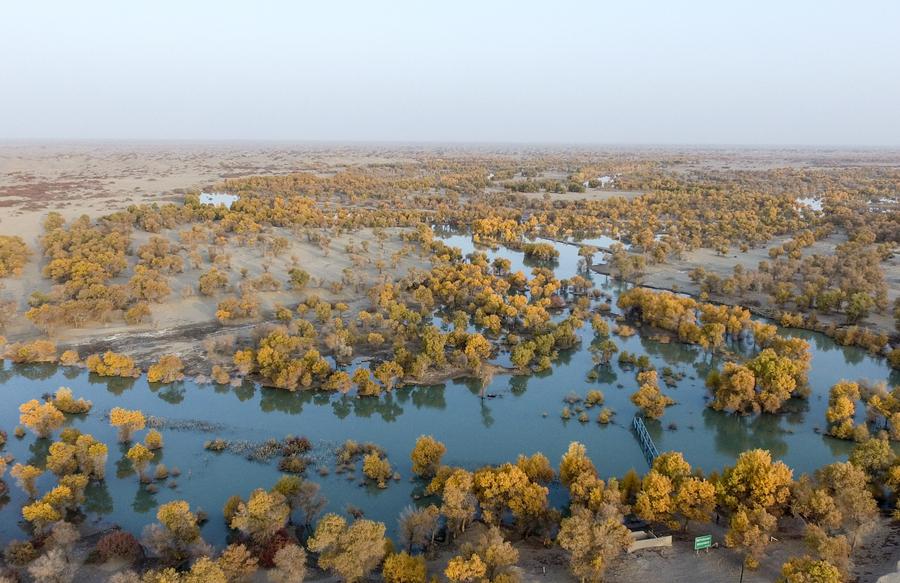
x=446, y=352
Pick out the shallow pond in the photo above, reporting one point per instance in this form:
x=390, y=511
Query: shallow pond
x=522, y=417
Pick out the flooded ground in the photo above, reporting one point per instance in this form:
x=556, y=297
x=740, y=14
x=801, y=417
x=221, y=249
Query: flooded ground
x=522, y=416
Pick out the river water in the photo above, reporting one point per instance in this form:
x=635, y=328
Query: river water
x=522, y=417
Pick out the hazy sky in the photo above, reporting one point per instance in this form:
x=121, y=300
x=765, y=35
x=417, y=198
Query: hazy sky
x=689, y=72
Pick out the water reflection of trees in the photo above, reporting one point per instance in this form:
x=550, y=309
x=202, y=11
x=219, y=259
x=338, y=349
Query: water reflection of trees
x=115, y=385
x=385, y=407
x=894, y=377
x=702, y=369
x=37, y=372
x=518, y=384
x=423, y=397
x=839, y=448
x=283, y=401
x=794, y=410
x=564, y=356
x=671, y=352
x=734, y=434
x=245, y=391
x=853, y=355
x=97, y=499
x=172, y=393
x=820, y=341
x=487, y=419
x=533, y=262
x=471, y=383
x=654, y=428
x=144, y=501
x=39, y=450
x=341, y=407
x=124, y=468
x=605, y=375
x=6, y=373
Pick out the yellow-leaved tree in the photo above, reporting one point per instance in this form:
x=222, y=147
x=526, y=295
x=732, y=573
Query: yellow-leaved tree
x=127, y=421
x=426, y=456
x=349, y=551
x=42, y=418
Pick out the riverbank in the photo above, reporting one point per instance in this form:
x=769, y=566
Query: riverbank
x=875, y=556
x=825, y=323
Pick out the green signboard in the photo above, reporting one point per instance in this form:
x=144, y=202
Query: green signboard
x=703, y=542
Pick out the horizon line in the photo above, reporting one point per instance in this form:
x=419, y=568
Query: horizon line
x=444, y=143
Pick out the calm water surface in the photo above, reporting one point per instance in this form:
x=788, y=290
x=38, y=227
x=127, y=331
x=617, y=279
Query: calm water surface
x=523, y=417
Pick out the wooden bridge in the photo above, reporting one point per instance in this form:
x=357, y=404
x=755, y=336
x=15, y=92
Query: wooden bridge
x=647, y=445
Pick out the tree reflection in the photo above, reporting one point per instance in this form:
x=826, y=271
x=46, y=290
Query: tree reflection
x=37, y=372
x=702, y=369
x=565, y=356
x=852, y=354
x=794, y=410
x=115, y=385
x=654, y=428
x=604, y=375
x=734, y=434
x=820, y=341
x=172, y=393
x=671, y=352
x=428, y=397
x=97, y=499
x=471, y=383
x=388, y=409
x=321, y=398
x=342, y=407
x=245, y=391
x=39, y=450
x=518, y=384
x=486, y=418
x=71, y=372
x=284, y=401
x=123, y=464
x=6, y=373
x=144, y=501
x=532, y=262
x=839, y=448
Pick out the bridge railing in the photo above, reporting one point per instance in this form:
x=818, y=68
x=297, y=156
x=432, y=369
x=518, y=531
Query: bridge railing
x=647, y=445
